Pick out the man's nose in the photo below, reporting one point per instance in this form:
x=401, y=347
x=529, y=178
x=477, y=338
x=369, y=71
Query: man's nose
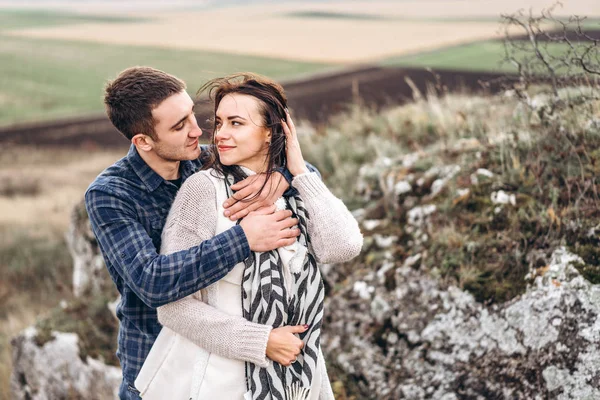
x=196, y=131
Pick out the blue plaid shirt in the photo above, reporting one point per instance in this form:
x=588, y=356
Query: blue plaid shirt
x=128, y=205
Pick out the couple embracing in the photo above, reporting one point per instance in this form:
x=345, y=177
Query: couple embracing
x=214, y=250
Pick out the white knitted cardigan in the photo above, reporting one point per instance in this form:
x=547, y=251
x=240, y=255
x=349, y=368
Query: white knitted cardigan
x=335, y=237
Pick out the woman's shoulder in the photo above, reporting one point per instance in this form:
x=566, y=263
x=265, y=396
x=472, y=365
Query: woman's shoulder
x=198, y=183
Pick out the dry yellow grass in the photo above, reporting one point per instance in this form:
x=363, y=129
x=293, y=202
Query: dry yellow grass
x=268, y=30
x=62, y=177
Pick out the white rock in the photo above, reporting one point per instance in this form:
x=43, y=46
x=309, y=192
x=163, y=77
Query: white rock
x=418, y=215
x=485, y=172
x=363, y=290
x=501, y=197
x=370, y=224
x=56, y=371
x=384, y=242
x=402, y=187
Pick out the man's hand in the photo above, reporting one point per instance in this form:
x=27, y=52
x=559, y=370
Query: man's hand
x=268, y=230
x=283, y=345
x=246, y=189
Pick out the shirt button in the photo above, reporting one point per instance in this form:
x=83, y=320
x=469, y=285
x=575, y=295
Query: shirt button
x=122, y=255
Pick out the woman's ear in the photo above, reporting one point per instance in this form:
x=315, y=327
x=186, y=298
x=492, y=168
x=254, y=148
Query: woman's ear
x=268, y=136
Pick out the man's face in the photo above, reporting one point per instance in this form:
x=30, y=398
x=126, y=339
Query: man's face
x=176, y=129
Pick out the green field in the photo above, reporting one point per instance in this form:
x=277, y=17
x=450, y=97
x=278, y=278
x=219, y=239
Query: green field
x=45, y=79
x=485, y=56
x=13, y=19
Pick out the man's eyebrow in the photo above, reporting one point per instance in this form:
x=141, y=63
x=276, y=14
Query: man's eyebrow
x=179, y=122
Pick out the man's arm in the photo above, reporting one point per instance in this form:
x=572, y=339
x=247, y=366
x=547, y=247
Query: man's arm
x=192, y=220
x=279, y=185
x=159, y=279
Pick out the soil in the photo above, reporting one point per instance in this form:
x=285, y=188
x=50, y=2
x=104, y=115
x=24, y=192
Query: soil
x=315, y=100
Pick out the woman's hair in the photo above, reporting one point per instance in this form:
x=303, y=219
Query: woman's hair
x=272, y=105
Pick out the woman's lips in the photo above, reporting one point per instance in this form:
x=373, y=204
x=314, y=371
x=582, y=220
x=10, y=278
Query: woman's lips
x=225, y=148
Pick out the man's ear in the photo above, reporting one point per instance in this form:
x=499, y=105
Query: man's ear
x=143, y=142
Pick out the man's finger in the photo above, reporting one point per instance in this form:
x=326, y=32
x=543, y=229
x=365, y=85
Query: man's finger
x=266, y=210
x=288, y=233
x=240, y=195
x=244, y=208
x=285, y=242
x=242, y=184
x=287, y=223
x=283, y=215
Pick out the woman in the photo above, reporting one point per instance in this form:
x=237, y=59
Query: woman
x=240, y=333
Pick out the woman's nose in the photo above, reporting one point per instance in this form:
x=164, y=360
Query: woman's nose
x=221, y=133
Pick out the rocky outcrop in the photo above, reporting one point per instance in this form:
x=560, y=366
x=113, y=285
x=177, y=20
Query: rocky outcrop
x=401, y=335
x=63, y=356
x=90, y=276
x=55, y=370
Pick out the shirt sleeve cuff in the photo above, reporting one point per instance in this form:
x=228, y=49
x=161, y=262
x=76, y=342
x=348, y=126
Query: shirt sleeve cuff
x=309, y=185
x=235, y=245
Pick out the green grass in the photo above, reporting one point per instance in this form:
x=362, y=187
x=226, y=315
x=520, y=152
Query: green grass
x=15, y=19
x=485, y=56
x=44, y=79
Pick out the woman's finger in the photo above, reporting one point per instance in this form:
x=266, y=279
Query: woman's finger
x=286, y=129
x=290, y=122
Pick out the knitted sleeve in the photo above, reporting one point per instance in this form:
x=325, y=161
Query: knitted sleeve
x=334, y=233
x=193, y=219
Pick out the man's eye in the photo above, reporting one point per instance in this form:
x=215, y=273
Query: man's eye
x=179, y=127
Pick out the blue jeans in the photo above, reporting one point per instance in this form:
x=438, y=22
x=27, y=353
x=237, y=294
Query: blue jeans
x=128, y=392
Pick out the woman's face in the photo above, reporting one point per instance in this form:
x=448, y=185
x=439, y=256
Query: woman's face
x=240, y=136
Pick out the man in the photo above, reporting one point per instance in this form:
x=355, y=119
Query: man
x=128, y=204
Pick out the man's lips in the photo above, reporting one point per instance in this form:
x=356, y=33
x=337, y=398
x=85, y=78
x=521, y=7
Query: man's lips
x=195, y=144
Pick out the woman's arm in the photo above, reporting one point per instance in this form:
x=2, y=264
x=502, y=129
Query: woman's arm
x=193, y=219
x=334, y=233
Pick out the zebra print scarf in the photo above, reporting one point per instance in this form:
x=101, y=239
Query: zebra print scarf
x=265, y=300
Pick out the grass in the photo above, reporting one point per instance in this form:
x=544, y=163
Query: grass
x=15, y=19
x=35, y=274
x=485, y=56
x=548, y=160
x=43, y=79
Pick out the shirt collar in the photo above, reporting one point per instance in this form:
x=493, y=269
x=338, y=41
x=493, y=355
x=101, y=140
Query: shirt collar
x=148, y=176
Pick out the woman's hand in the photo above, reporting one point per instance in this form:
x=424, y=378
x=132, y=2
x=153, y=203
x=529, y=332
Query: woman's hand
x=295, y=161
x=283, y=345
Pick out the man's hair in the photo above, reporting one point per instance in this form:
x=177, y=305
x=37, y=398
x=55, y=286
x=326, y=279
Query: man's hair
x=131, y=97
